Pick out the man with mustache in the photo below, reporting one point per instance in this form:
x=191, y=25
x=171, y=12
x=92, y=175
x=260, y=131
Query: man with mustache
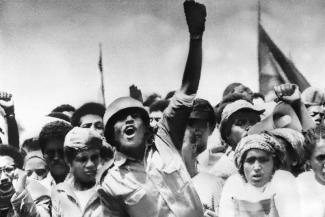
x=51, y=139
x=149, y=177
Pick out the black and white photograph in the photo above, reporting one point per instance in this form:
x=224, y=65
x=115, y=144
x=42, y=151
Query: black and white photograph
x=162, y=108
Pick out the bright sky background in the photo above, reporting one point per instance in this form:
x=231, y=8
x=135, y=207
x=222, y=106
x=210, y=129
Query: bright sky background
x=49, y=48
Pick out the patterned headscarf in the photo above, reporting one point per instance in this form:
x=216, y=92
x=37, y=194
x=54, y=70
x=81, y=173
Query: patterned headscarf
x=294, y=138
x=262, y=142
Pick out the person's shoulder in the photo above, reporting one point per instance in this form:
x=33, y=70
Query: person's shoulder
x=235, y=180
x=283, y=175
x=305, y=176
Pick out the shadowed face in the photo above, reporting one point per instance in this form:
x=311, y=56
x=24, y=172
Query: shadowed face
x=241, y=121
x=53, y=155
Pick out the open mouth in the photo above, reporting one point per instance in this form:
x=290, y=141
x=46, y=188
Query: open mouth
x=257, y=177
x=130, y=131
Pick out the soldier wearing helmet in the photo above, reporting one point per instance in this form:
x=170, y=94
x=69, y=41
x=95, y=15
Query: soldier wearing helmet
x=149, y=177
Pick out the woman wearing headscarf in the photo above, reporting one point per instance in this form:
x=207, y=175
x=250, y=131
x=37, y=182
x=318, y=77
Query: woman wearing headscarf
x=311, y=184
x=260, y=188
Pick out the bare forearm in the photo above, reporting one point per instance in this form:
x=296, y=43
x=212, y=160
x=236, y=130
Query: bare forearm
x=193, y=66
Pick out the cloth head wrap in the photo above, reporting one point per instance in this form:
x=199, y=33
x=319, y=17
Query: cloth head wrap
x=294, y=138
x=262, y=142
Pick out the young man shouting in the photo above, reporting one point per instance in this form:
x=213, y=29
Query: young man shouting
x=148, y=177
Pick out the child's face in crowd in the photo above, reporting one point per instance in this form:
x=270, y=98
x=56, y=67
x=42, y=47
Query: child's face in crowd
x=241, y=121
x=130, y=133
x=199, y=130
x=258, y=167
x=53, y=154
x=7, y=167
x=85, y=164
x=94, y=122
x=317, y=162
x=36, y=168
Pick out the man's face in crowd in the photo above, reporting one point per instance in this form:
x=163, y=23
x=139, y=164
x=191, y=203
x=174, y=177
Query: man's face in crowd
x=316, y=112
x=53, y=154
x=155, y=117
x=241, y=121
x=245, y=91
x=130, y=133
x=7, y=168
x=84, y=166
x=258, y=167
x=36, y=168
x=94, y=122
x=199, y=131
x=317, y=162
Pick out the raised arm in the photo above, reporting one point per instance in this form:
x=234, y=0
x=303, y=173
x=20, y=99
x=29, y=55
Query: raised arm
x=195, y=14
x=290, y=93
x=7, y=104
x=180, y=106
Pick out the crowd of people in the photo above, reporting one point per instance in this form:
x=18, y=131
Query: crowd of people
x=171, y=156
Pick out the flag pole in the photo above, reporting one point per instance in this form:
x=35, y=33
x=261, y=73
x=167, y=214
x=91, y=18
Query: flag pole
x=258, y=42
x=100, y=66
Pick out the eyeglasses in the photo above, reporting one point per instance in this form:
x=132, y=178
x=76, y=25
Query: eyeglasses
x=39, y=172
x=7, y=170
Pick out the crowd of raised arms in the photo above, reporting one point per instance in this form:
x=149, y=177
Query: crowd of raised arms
x=170, y=156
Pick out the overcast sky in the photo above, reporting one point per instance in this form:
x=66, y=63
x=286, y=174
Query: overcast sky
x=49, y=48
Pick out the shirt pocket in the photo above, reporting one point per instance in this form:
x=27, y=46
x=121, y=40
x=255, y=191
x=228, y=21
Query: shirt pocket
x=139, y=205
x=176, y=178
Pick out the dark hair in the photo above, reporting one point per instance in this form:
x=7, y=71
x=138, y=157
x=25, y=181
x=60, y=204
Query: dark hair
x=151, y=99
x=201, y=106
x=92, y=108
x=230, y=88
x=63, y=108
x=6, y=150
x=170, y=94
x=312, y=137
x=59, y=115
x=258, y=95
x=54, y=130
x=159, y=105
x=31, y=144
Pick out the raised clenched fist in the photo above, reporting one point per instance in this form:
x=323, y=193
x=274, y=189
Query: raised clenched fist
x=195, y=14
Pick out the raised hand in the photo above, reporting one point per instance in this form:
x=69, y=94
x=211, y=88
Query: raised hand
x=7, y=102
x=135, y=93
x=288, y=93
x=195, y=14
x=20, y=180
